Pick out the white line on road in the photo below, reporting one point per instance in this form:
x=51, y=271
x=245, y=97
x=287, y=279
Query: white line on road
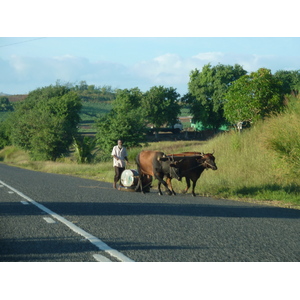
x=25, y=202
x=101, y=258
x=94, y=240
x=49, y=220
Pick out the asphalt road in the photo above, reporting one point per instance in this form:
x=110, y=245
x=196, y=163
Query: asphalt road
x=50, y=217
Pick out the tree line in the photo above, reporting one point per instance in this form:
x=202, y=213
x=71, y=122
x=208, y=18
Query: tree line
x=46, y=123
x=225, y=94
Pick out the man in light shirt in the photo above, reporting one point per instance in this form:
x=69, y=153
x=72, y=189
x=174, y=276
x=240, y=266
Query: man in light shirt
x=119, y=154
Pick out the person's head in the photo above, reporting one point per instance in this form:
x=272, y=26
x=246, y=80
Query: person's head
x=120, y=143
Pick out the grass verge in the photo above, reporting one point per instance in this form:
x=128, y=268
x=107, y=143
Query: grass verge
x=248, y=169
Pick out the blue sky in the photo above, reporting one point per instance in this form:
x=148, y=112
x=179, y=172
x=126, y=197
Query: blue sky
x=27, y=63
x=30, y=62
x=124, y=45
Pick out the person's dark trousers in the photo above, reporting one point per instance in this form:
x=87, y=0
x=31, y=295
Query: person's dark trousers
x=118, y=173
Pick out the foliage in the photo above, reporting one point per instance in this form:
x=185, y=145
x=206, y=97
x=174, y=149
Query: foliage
x=160, y=106
x=283, y=134
x=90, y=111
x=45, y=123
x=4, y=134
x=290, y=81
x=125, y=121
x=253, y=97
x=249, y=168
x=5, y=104
x=93, y=93
x=207, y=92
x=84, y=147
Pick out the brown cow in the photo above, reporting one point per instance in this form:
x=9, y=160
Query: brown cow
x=156, y=164
x=194, y=163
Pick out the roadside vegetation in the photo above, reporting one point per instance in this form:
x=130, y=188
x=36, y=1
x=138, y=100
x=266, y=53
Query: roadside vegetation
x=71, y=129
x=261, y=163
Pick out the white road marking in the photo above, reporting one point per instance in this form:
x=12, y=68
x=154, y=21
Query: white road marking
x=25, y=202
x=49, y=220
x=101, y=258
x=94, y=240
x=10, y=192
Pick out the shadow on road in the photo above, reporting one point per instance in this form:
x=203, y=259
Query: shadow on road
x=122, y=209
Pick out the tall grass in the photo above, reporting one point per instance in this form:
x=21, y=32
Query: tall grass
x=246, y=168
x=282, y=134
x=262, y=163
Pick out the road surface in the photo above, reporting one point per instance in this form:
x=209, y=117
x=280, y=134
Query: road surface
x=51, y=217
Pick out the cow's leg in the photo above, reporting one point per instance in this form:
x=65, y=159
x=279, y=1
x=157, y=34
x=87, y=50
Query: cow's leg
x=159, y=190
x=188, y=184
x=168, y=181
x=159, y=187
x=138, y=184
x=161, y=181
x=193, y=187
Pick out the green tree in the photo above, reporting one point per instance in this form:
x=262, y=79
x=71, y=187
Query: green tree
x=5, y=129
x=207, y=90
x=84, y=147
x=290, y=81
x=160, y=106
x=252, y=97
x=125, y=121
x=46, y=122
x=5, y=104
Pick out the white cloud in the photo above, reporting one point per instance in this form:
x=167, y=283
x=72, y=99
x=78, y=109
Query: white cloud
x=209, y=56
x=173, y=70
x=23, y=74
x=166, y=69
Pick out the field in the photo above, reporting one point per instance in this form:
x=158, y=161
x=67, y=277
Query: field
x=91, y=111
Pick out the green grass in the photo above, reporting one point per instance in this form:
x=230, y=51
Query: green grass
x=260, y=164
x=90, y=111
x=247, y=169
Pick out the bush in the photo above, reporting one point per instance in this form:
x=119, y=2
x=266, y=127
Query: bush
x=283, y=135
x=46, y=122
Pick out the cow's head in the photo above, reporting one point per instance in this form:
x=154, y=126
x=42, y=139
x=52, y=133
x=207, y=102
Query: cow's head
x=175, y=171
x=208, y=161
x=172, y=166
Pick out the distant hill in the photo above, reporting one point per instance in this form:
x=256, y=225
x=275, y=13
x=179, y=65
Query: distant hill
x=15, y=98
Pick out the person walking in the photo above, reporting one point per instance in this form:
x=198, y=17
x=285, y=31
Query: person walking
x=119, y=154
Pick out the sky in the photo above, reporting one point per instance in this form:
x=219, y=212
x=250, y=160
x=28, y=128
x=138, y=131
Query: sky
x=27, y=63
x=128, y=48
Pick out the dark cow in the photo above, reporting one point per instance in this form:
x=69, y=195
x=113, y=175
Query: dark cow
x=192, y=166
x=156, y=164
